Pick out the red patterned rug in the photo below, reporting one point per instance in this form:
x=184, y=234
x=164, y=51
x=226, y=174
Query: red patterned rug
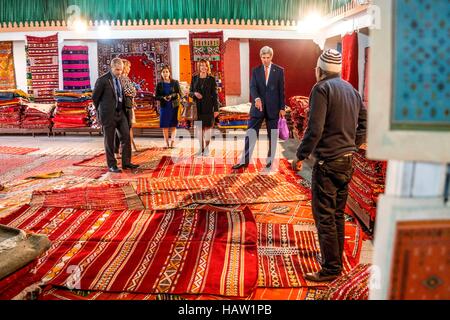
x=117, y=196
x=351, y=286
x=16, y=150
x=183, y=165
x=51, y=293
x=297, y=212
x=286, y=254
x=10, y=163
x=87, y=172
x=170, y=193
x=49, y=165
x=147, y=159
x=42, y=67
x=179, y=251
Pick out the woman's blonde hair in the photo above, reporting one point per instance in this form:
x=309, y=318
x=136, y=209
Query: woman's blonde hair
x=206, y=62
x=126, y=66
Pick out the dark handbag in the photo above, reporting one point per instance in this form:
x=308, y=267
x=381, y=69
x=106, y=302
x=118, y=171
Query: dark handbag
x=128, y=102
x=189, y=111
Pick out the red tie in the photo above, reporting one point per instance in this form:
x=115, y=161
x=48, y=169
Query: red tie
x=266, y=72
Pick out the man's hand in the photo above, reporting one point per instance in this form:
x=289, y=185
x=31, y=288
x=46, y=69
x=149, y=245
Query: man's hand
x=258, y=104
x=297, y=165
x=282, y=114
x=216, y=114
x=198, y=95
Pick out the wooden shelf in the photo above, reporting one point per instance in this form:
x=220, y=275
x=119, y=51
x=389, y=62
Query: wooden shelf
x=33, y=132
x=64, y=131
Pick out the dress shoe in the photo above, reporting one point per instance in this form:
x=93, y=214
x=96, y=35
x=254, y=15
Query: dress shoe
x=130, y=166
x=239, y=166
x=115, y=169
x=319, y=277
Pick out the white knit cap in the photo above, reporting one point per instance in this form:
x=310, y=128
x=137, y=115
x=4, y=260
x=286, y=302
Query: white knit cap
x=331, y=61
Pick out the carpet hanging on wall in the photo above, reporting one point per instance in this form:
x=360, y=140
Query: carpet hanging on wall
x=147, y=57
x=42, y=67
x=209, y=46
x=75, y=60
x=350, y=59
x=7, y=74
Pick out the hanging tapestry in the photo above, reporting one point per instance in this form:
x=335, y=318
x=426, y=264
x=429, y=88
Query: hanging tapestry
x=42, y=67
x=147, y=57
x=209, y=46
x=191, y=251
x=350, y=59
x=75, y=61
x=7, y=74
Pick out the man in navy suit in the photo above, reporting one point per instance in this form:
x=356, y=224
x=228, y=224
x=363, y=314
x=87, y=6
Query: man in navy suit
x=268, y=103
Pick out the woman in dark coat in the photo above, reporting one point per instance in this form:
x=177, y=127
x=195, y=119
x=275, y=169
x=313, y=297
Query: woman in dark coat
x=204, y=92
x=168, y=93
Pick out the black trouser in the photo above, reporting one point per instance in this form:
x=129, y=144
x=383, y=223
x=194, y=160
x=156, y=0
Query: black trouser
x=330, y=180
x=116, y=136
x=119, y=123
x=252, y=135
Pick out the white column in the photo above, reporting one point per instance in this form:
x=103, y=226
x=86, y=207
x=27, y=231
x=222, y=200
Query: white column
x=175, y=58
x=244, y=48
x=20, y=64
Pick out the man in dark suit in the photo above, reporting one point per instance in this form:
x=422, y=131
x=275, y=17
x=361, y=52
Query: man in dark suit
x=268, y=103
x=108, y=99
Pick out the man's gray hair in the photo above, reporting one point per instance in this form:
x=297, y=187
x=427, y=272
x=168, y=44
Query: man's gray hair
x=116, y=62
x=266, y=50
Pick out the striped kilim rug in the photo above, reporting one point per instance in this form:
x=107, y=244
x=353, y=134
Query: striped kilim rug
x=297, y=212
x=16, y=150
x=87, y=172
x=49, y=165
x=286, y=254
x=182, y=166
x=147, y=159
x=178, y=251
x=351, y=286
x=116, y=196
x=69, y=151
x=42, y=67
x=169, y=193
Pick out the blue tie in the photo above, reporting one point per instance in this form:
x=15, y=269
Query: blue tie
x=119, y=94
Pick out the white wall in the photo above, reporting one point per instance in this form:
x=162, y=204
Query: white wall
x=363, y=43
x=20, y=65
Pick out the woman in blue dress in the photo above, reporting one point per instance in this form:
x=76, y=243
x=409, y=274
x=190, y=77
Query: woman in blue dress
x=168, y=93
